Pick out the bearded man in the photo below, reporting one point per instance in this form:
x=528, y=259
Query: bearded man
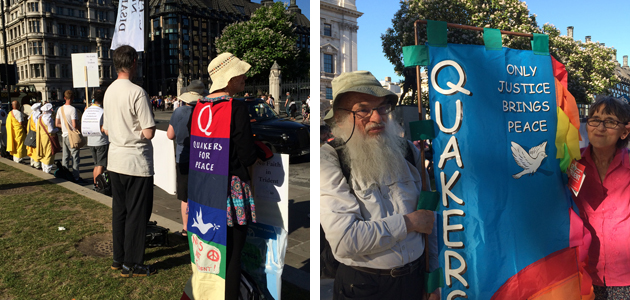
x=369, y=191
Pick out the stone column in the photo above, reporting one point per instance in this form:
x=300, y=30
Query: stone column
x=570, y=32
x=275, y=78
x=349, y=47
x=180, y=84
x=588, y=38
x=625, y=61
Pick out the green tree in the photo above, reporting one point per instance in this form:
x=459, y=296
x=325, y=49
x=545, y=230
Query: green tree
x=589, y=65
x=267, y=37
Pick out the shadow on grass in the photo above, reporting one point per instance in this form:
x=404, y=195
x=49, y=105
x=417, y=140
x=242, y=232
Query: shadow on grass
x=177, y=253
x=24, y=184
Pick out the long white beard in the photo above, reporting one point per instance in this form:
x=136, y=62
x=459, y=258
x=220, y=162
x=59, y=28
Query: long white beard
x=373, y=159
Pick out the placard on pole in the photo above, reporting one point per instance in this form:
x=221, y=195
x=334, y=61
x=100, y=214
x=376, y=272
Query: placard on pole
x=85, y=72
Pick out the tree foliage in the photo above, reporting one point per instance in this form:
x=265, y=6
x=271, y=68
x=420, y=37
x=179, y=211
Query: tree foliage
x=589, y=65
x=267, y=37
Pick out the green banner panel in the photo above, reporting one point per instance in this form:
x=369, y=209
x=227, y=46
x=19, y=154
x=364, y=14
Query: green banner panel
x=436, y=33
x=434, y=280
x=421, y=130
x=428, y=200
x=540, y=44
x=492, y=39
x=417, y=55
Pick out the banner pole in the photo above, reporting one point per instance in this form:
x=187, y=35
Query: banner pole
x=86, y=87
x=426, y=186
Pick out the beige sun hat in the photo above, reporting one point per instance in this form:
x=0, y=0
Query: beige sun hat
x=190, y=97
x=360, y=82
x=223, y=68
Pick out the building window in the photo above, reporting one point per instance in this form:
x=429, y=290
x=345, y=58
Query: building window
x=101, y=2
x=61, y=29
x=82, y=14
x=102, y=15
x=86, y=49
x=36, y=48
x=73, y=30
x=75, y=48
x=83, y=31
x=329, y=93
x=33, y=7
x=328, y=63
x=52, y=71
x=34, y=26
x=51, y=49
x=108, y=71
x=37, y=70
x=65, y=71
x=63, y=49
x=103, y=52
x=327, y=30
x=48, y=7
x=49, y=28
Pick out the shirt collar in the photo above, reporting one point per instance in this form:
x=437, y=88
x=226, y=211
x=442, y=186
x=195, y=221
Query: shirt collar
x=621, y=157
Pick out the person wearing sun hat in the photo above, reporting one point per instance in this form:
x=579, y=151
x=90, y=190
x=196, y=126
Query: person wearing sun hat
x=46, y=131
x=206, y=193
x=369, y=191
x=32, y=126
x=179, y=130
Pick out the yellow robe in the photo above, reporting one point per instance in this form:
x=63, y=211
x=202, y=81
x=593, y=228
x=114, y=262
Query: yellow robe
x=44, y=148
x=32, y=152
x=16, y=134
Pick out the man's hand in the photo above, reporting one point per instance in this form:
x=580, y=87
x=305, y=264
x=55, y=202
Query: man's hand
x=419, y=221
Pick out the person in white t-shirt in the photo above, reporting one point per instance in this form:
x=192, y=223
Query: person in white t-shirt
x=71, y=122
x=98, y=144
x=128, y=121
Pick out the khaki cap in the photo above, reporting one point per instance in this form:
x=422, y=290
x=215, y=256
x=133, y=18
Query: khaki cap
x=361, y=82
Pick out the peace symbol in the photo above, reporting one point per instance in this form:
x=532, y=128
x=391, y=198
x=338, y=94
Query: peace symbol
x=213, y=255
x=205, y=130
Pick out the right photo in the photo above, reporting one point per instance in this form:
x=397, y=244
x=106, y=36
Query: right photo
x=474, y=149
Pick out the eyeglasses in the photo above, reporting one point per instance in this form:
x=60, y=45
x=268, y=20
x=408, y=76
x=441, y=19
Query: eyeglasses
x=367, y=112
x=610, y=124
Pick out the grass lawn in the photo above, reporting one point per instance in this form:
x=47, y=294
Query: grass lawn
x=37, y=261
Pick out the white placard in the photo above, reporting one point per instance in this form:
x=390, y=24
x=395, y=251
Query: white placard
x=79, y=62
x=270, y=182
x=164, y=162
x=91, y=122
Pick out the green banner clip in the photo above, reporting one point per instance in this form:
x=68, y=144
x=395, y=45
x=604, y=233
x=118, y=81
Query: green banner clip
x=429, y=200
x=540, y=44
x=417, y=55
x=492, y=39
x=566, y=160
x=434, y=280
x=436, y=33
x=421, y=130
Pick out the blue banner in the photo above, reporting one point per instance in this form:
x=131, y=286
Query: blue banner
x=503, y=202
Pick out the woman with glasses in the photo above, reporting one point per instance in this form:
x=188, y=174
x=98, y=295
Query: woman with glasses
x=604, y=200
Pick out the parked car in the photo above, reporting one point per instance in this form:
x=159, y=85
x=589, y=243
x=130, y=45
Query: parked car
x=280, y=135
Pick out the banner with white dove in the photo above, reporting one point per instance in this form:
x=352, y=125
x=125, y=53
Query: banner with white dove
x=504, y=208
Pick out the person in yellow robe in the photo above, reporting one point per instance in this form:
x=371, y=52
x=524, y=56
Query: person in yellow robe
x=45, y=125
x=32, y=126
x=16, y=133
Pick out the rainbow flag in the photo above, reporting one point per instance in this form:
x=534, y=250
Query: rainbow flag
x=207, y=203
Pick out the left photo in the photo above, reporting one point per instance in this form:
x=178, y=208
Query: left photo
x=155, y=149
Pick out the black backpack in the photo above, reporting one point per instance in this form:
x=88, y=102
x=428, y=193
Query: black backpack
x=327, y=261
x=249, y=289
x=102, y=184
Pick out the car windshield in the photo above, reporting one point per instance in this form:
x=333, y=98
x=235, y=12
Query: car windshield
x=261, y=112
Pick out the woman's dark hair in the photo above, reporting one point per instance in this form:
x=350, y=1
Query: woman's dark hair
x=615, y=107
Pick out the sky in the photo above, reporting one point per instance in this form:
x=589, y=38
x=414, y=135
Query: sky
x=606, y=21
x=304, y=5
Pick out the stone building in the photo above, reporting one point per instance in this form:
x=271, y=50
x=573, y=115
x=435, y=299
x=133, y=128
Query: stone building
x=338, y=43
x=42, y=35
x=623, y=74
x=182, y=36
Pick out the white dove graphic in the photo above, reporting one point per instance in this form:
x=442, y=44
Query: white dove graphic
x=530, y=162
x=198, y=222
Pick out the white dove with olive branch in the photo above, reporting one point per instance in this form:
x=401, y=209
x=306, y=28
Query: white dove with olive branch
x=530, y=162
x=203, y=228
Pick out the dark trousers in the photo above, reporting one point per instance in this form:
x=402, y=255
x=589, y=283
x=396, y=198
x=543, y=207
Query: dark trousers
x=235, y=243
x=132, y=202
x=354, y=284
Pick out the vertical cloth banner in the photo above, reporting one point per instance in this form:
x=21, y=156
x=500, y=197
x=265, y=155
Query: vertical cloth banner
x=207, y=197
x=130, y=25
x=504, y=208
